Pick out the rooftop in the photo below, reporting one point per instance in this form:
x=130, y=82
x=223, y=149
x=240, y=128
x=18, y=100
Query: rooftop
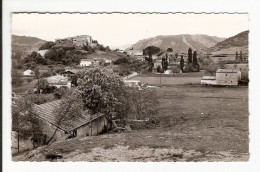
x=208, y=78
x=226, y=71
x=46, y=112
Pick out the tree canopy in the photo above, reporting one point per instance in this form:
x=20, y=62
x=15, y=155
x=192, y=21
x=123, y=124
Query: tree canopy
x=151, y=50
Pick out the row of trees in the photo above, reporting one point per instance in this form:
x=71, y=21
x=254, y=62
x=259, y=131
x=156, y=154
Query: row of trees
x=240, y=57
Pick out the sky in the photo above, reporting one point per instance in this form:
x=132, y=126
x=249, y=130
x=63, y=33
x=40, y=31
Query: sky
x=117, y=30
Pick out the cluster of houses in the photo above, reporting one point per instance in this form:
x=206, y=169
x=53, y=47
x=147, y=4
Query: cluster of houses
x=94, y=62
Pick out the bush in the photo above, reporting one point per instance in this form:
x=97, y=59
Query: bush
x=46, y=74
x=159, y=69
x=59, y=92
x=17, y=81
x=122, y=60
x=211, y=69
x=187, y=68
x=151, y=50
x=175, y=69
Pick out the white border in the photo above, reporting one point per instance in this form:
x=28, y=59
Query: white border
x=252, y=7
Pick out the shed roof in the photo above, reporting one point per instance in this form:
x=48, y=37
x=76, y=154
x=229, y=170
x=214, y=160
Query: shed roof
x=226, y=71
x=46, y=112
x=208, y=78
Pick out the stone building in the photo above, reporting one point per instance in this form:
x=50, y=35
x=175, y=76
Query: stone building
x=227, y=77
x=78, y=41
x=223, y=77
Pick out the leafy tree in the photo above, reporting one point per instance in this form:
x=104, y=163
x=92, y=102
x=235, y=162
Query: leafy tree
x=211, y=69
x=169, y=50
x=24, y=122
x=34, y=57
x=150, y=63
x=144, y=103
x=189, y=55
x=159, y=69
x=151, y=50
x=100, y=90
x=59, y=92
x=47, y=45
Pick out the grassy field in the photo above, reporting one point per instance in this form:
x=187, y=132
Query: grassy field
x=24, y=87
x=167, y=81
x=196, y=124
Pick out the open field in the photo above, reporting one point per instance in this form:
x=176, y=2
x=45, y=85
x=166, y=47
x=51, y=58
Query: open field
x=167, y=81
x=24, y=87
x=184, y=134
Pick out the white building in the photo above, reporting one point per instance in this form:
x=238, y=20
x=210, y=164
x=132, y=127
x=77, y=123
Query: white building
x=208, y=80
x=132, y=83
x=86, y=62
x=28, y=73
x=228, y=77
x=223, y=77
x=42, y=52
x=58, y=81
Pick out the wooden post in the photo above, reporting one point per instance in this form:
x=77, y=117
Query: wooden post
x=18, y=141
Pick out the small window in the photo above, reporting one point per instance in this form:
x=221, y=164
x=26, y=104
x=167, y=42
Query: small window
x=226, y=74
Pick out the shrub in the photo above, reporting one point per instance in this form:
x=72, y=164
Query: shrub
x=187, y=68
x=175, y=69
x=211, y=69
x=46, y=74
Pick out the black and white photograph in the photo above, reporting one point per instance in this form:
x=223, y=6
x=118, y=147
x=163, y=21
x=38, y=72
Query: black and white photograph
x=126, y=88
x=100, y=87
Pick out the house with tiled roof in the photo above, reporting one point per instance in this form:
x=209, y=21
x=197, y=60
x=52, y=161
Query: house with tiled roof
x=85, y=125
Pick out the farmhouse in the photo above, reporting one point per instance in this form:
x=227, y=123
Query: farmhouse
x=28, y=73
x=86, y=62
x=86, y=125
x=228, y=77
x=82, y=126
x=223, y=77
x=132, y=83
x=58, y=81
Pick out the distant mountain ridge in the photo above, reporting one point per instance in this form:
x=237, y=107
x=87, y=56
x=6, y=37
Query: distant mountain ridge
x=179, y=43
x=26, y=44
x=239, y=40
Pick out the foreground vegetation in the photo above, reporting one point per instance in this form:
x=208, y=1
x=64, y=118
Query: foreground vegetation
x=192, y=127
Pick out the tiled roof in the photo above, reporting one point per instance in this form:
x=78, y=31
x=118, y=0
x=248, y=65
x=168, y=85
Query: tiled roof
x=46, y=112
x=226, y=71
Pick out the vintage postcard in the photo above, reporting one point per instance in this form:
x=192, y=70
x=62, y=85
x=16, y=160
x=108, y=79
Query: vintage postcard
x=126, y=88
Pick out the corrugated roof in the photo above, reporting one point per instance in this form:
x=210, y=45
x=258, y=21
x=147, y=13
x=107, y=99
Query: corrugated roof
x=208, y=78
x=226, y=71
x=46, y=112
